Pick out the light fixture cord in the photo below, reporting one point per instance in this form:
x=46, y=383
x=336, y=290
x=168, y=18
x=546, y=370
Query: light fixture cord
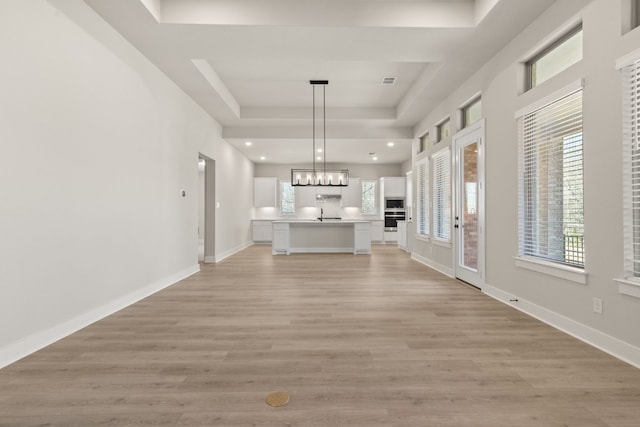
x=313, y=109
x=324, y=131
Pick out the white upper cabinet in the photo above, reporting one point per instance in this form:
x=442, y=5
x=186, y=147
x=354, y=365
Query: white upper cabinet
x=393, y=186
x=265, y=192
x=352, y=194
x=305, y=197
x=330, y=191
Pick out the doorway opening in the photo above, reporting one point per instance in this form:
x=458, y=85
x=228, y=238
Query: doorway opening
x=206, y=209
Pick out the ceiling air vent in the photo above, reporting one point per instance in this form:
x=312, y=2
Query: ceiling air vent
x=389, y=80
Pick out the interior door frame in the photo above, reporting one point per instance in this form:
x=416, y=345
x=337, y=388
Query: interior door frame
x=475, y=132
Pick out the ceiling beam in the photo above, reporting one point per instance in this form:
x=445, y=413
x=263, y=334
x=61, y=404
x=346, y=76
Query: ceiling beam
x=305, y=113
x=327, y=13
x=334, y=132
x=217, y=84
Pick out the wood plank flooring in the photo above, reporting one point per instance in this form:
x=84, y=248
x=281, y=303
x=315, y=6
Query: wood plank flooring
x=369, y=341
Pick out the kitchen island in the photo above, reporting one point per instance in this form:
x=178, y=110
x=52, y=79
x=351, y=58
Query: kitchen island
x=315, y=236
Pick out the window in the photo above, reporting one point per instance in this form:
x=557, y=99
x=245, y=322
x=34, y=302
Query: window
x=369, y=198
x=423, y=143
x=471, y=112
x=423, y=197
x=556, y=58
x=442, y=195
x=635, y=13
x=287, y=198
x=444, y=130
x=551, y=218
x=631, y=169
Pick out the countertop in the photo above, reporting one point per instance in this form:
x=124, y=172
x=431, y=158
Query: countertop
x=314, y=220
x=317, y=221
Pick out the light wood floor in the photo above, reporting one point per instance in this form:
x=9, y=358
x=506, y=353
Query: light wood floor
x=369, y=341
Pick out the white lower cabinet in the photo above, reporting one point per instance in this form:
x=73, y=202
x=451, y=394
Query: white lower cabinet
x=390, y=236
x=402, y=235
x=262, y=231
x=377, y=231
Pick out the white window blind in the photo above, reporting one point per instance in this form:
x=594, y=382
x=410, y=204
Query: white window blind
x=423, y=197
x=287, y=201
x=631, y=169
x=551, y=214
x=442, y=195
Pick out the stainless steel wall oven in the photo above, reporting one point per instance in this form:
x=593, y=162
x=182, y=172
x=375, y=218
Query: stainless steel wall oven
x=391, y=219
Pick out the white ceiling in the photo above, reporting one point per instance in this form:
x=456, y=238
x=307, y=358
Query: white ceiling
x=248, y=64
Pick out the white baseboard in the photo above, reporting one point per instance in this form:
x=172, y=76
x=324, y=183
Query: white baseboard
x=447, y=271
x=227, y=254
x=611, y=345
x=32, y=343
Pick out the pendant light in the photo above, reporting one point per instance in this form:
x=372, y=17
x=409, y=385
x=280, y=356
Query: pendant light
x=319, y=177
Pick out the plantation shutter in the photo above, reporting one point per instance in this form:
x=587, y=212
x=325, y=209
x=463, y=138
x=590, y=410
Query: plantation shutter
x=551, y=214
x=442, y=195
x=423, y=197
x=631, y=168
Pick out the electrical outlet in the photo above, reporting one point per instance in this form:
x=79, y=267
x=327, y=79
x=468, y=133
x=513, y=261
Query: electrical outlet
x=597, y=305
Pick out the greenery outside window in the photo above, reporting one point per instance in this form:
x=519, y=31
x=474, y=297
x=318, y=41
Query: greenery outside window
x=287, y=198
x=369, y=198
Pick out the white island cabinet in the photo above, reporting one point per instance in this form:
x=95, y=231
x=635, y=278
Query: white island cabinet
x=321, y=237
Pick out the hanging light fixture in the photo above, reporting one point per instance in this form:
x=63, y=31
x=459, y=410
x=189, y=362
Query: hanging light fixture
x=320, y=177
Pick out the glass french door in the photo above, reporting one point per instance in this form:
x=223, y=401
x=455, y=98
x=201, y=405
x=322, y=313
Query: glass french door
x=469, y=213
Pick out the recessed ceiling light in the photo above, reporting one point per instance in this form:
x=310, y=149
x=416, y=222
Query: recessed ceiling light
x=319, y=158
x=263, y=158
x=390, y=144
x=374, y=158
x=248, y=143
x=319, y=150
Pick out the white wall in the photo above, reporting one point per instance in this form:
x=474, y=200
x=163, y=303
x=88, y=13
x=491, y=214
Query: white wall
x=565, y=304
x=96, y=146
